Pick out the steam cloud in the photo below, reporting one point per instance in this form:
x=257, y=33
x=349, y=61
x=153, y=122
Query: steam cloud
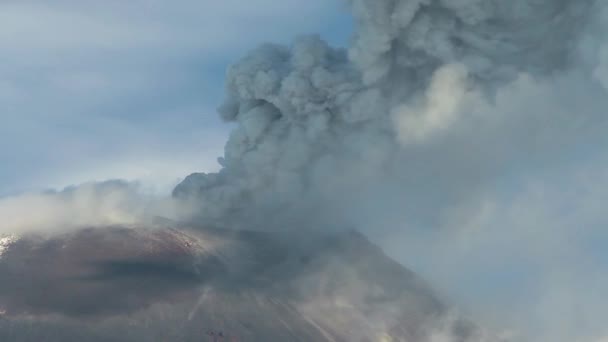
x=87, y=205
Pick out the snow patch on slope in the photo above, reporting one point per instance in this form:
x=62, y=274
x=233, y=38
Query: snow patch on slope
x=5, y=242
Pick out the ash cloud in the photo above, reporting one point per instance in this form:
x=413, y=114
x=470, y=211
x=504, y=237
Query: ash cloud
x=315, y=122
x=440, y=118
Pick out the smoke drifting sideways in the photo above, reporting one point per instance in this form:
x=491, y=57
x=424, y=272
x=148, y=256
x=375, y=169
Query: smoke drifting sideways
x=110, y=203
x=447, y=132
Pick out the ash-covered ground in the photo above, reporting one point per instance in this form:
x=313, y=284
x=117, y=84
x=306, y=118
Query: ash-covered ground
x=165, y=284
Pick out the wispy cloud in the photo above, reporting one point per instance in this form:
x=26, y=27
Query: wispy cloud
x=86, y=84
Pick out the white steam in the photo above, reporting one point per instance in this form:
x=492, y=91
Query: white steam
x=439, y=109
x=87, y=205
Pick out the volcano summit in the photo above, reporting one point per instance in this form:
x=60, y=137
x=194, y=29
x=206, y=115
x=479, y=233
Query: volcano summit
x=126, y=284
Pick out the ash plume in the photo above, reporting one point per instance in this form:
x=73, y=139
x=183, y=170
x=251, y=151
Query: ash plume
x=433, y=128
x=422, y=79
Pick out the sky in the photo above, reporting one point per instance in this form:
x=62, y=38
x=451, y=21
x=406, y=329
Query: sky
x=129, y=90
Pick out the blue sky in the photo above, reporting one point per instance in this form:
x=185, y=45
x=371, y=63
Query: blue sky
x=129, y=89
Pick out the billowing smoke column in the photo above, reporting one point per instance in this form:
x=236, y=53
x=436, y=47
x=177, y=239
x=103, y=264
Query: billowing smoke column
x=466, y=137
x=317, y=124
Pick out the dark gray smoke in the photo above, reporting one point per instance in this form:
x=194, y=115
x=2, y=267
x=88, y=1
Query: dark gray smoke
x=316, y=124
x=452, y=125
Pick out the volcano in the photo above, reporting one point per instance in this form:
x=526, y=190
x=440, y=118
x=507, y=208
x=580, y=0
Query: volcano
x=194, y=284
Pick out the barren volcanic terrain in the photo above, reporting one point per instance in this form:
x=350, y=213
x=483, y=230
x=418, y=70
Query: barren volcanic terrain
x=162, y=284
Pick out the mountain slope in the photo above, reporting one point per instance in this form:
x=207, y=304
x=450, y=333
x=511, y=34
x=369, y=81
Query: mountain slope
x=124, y=284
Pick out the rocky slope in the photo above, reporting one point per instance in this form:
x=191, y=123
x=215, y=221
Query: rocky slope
x=165, y=284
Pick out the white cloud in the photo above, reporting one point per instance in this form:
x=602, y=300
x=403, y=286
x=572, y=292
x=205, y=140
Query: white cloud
x=117, y=25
